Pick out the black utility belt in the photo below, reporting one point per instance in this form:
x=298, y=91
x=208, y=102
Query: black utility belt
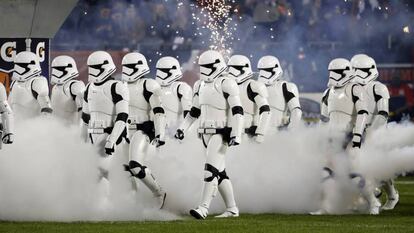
x=225, y=130
x=147, y=127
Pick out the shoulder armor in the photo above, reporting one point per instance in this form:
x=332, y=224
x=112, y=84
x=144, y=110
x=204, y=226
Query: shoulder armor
x=380, y=91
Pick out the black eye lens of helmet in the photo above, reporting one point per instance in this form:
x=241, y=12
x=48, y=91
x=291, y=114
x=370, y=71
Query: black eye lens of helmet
x=131, y=66
x=239, y=68
x=338, y=71
x=366, y=70
x=267, y=69
x=99, y=66
x=210, y=65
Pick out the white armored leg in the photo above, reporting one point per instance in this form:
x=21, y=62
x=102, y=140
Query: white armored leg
x=138, y=150
x=216, y=150
x=392, y=195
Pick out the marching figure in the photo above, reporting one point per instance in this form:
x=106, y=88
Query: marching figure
x=67, y=93
x=29, y=95
x=253, y=96
x=146, y=120
x=283, y=96
x=344, y=105
x=176, y=96
x=7, y=120
x=105, y=110
x=218, y=106
x=366, y=73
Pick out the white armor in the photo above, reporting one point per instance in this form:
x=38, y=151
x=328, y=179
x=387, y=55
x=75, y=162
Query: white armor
x=377, y=96
x=218, y=107
x=66, y=96
x=253, y=95
x=344, y=104
x=283, y=96
x=146, y=119
x=365, y=69
x=176, y=96
x=29, y=95
x=7, y=120
x=105, y=104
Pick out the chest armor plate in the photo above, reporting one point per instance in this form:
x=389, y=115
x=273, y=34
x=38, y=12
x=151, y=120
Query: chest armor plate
x=21, y=99
x=340, y=100
x=211, y=94
x=169, y=99
x=62, y=100
x=100, y=99
x=276, y=98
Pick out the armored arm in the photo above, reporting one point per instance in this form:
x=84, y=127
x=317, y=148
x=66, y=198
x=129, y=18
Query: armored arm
x=185, y=94
x=40, y=90
x=359, y=101
x=291, y=94
x=232, y=93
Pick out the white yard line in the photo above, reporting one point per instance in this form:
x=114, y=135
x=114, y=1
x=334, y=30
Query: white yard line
x=405, y=182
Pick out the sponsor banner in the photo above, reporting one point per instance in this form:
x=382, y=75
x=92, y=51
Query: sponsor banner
x=9, y=47
x=403, y=72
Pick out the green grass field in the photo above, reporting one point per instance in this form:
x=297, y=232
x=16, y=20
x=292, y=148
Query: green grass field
x=399, y=220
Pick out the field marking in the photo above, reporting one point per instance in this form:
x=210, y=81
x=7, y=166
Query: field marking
x=404, y=182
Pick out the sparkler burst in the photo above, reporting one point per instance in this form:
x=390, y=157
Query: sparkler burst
x=216, y=18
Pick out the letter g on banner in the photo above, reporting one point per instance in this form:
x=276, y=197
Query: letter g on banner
x=8, y=51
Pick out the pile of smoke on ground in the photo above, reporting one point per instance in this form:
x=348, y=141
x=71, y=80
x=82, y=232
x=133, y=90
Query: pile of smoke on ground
x=49, y=173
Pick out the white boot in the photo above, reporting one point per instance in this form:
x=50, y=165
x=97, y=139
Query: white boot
x=392, y=201
x=209, y=192
x=392, y=195
x=374, y=205
x=155, y=188
x=226, y=191
x=230, y=212
x=199, y=212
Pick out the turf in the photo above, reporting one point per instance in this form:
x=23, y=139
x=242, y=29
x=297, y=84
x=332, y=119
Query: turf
x=399, y=220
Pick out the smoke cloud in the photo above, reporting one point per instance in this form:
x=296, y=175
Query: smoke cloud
x=49, y=173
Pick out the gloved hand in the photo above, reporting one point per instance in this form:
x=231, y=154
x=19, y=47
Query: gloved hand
x=179, y=134
x=157, y=142
x=109, y=148
x=259, y=138
x=8, y=138
x=356, y=141
x=234, y=141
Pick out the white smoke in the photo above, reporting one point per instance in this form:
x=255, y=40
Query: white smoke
x=49, y=173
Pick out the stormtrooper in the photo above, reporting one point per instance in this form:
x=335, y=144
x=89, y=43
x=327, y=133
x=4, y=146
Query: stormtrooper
x=29, y=95
x=7, y=120
x=344, y=106
x=67, y=93
x=283, y=96
x=176, y=96
x=253, y=96
x=377, y=95
x=104, y=111
x=218, y=107
x=146, y=120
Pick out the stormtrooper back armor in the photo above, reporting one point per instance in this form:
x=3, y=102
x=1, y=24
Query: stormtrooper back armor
x=253, y=95
x=283, y=96
x=66, y=97
x=377, y=97
x=364, y=68
x=29, y=94
x=7, y=119
x=176, y=96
